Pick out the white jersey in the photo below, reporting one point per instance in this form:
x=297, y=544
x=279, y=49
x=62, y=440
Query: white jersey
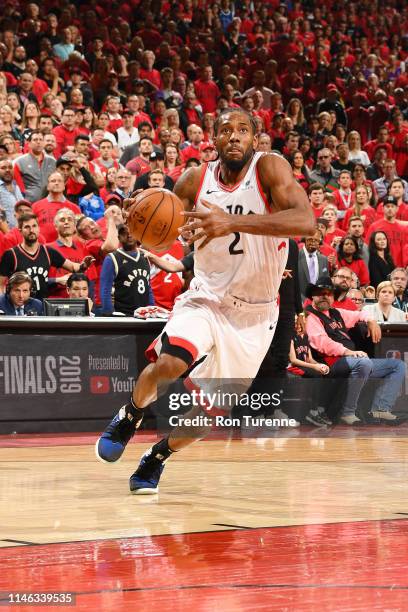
x=245, y=266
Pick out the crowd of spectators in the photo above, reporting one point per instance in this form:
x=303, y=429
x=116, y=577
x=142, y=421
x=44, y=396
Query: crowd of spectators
x=98, y=99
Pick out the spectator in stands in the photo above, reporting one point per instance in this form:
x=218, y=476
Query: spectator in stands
x=381, y=263
x=300, y=171
x=342, y=281
x=324, y=173
x=106, y=158
x=50, y=145
x=334, y=234
x=10, y=192
x=31, y=171
x=316, y=195
x=195, y=137
x=356, y=296
x=172, y=161
x=376, y=169
x=71, y=248
x=382, y=184
x=265, y=144
x=65, y=133
x=396, y=233
x=399, y=280
x=350, y=257
x=123, y=182
x=384, y=311
x=327, y=328
x=362, y=208
x=355, y=227
x=47, y=208
x=64, y=48
x=381, y=142
x=125, y=275
x=311, y=263
x=343, y=196
x=343, y=162
x=141, y=164
x=127, y=134
x=17, y=300
x=356, y=154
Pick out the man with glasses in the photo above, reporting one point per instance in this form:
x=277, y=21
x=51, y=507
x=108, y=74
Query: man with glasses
x=123, y=184
x=356, y=296
x=65, y=133
x=324, y=173
x=342, y=281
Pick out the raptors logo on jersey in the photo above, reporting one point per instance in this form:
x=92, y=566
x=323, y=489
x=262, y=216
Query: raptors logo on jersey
x=224, y=266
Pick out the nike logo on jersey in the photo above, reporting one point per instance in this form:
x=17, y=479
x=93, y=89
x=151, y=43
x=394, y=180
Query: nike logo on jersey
x=212, y=191
x=281, y=245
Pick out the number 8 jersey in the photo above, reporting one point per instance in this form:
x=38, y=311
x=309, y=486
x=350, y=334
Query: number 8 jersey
x=245, y=266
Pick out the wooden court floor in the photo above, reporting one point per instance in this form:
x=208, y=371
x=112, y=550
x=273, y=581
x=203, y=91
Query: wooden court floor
x=301, y=521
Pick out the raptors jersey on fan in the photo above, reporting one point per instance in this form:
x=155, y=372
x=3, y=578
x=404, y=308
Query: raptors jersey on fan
x=224, y=266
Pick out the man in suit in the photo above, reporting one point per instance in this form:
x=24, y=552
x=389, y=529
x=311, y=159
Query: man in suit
x=312, y=264
x=17, y=300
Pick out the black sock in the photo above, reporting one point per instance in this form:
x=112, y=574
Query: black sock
x=133, y=409
x=161, y=450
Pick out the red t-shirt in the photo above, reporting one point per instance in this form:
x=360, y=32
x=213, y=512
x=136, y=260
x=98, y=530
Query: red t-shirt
x=318, y=211
x=207, y=93
x=405, y=256
x=190, y=152
x=368, y=216
x=330, y=236
x=342, y=200
x=402, y=212
x=396, y=234
x=65, y=138
x=75, y=253
x=400, y=151
x=46, y=210
x=153, y=76
x=138, y=166
x=166, y=286
x=359, y=267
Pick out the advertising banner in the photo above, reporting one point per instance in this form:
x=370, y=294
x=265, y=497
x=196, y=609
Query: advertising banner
x=65, y=377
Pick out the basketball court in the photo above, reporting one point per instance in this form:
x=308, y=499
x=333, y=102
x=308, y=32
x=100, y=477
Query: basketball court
x=302, y=520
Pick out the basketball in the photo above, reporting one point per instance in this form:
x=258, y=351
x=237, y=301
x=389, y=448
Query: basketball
x=154, y=218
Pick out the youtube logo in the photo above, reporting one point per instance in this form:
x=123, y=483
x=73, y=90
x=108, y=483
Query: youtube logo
x=99, y=384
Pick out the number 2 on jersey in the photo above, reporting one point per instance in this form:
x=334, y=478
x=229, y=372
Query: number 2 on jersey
x=232, y=249
x=238, y=210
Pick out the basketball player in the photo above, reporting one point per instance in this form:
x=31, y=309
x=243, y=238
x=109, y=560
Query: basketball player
x=246, y=203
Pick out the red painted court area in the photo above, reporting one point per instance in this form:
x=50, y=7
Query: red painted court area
x=340, y=566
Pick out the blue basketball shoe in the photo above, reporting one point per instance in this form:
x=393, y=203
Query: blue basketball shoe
x=110, y=446
x=145, y=481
